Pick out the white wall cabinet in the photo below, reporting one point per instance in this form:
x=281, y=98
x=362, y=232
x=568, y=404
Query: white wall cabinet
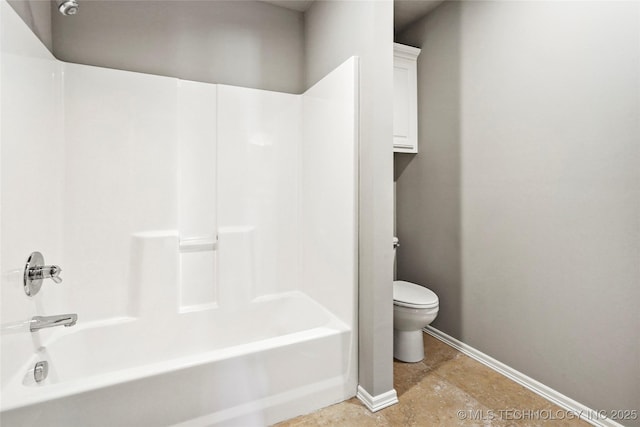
x=405, y=98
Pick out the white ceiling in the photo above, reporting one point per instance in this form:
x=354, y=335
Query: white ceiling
x=405, y=12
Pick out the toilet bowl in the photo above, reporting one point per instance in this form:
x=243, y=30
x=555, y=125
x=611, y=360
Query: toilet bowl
x=414, y=307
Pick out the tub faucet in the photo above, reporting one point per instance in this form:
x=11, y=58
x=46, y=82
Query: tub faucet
x=41, y=322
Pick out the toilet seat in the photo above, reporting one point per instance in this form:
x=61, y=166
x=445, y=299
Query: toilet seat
x=407, y=294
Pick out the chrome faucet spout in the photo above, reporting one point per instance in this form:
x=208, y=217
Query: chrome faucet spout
x=41, y=322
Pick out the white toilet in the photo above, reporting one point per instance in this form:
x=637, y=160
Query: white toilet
x=414, y=307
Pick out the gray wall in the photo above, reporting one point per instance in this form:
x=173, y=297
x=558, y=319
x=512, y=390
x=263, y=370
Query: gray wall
x=37, y=15
x=240, y=43
x=522, y=208
x=334, y=31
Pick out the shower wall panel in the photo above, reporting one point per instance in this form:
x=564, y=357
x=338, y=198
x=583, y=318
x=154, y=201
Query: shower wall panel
x=141, y=155
x=259, y=140
x=197, y=160
x=329, y=190
x=197, y=217
x=121, y=167
x=133, y=158
x=32, y=170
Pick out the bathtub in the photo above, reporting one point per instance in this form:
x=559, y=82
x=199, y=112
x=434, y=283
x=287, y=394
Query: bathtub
x=269, y=361
x=208, y=254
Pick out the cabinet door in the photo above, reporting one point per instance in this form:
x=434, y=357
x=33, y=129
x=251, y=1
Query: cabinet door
x=405, y=101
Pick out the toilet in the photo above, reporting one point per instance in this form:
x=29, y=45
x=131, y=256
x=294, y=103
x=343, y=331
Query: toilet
x=414, y=307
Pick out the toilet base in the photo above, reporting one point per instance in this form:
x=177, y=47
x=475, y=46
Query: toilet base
x=408, y=346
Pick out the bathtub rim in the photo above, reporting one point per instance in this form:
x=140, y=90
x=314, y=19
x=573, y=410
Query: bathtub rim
x=16, y=394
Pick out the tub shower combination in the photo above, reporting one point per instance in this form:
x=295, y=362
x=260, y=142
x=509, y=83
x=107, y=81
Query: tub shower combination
x=207, y=237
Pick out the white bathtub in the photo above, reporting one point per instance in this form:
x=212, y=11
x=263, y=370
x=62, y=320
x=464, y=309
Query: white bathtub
x=264, y=363
x=204, y=214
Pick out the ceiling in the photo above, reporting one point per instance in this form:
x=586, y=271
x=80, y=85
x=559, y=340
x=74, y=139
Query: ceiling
x=405, y=12
x=298, y=5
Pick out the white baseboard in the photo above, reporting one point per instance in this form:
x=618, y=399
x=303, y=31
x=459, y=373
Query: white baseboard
x=596, y=418
x=375, y=403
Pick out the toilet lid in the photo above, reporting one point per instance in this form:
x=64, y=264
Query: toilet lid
x=407, y=294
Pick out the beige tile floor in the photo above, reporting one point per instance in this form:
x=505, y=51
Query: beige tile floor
x=446, y=389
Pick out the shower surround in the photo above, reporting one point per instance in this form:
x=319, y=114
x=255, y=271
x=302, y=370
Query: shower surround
x=207, y=235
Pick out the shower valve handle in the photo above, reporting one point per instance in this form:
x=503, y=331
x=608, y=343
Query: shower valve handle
x=35, y=271
x=45, y=272
x=54, y=273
